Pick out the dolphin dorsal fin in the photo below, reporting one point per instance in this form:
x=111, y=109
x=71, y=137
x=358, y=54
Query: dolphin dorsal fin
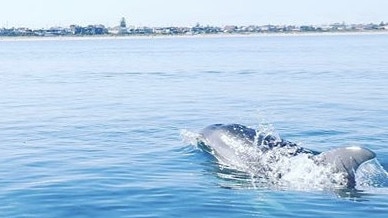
x=346, y=159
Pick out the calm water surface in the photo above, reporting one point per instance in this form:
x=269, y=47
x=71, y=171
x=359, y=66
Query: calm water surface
x=92, y=128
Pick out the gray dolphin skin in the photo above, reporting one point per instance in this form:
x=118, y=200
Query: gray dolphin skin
x=217, y=139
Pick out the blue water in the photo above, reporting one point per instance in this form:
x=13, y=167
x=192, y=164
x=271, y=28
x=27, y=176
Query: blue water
x=98, y=128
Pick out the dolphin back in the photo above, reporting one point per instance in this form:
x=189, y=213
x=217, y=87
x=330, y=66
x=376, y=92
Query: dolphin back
x=347, y=160
x=235, y=142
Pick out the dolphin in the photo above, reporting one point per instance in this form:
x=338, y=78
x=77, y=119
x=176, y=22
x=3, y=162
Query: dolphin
x=224, y=141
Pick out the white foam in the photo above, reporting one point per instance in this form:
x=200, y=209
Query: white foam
x=371, y=174
x=190, y=137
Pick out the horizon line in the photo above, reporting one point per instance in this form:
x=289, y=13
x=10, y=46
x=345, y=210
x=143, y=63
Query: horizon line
x=5, y=26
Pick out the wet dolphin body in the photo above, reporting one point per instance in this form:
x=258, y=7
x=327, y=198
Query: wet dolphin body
x=220, y=140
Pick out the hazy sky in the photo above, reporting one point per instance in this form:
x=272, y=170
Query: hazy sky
x=47, y=13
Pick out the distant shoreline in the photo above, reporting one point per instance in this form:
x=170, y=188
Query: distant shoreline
x=157, y=36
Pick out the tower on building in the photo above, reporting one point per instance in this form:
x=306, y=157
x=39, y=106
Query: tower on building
x=123, y=23
x=123, y=27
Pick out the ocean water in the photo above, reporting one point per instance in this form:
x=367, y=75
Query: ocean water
x=106, y=127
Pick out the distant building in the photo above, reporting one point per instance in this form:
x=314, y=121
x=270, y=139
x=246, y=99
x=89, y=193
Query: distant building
x=123, y=23
x=88, y=30
x=123, y=27
x=230, y=29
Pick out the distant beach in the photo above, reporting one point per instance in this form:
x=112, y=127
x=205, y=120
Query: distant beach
x=158, y=36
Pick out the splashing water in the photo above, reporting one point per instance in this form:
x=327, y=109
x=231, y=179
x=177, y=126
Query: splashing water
x=371, y=174
x=190, y=137
x=277, y=168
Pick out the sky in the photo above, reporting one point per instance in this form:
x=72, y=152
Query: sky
x=154, y=13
